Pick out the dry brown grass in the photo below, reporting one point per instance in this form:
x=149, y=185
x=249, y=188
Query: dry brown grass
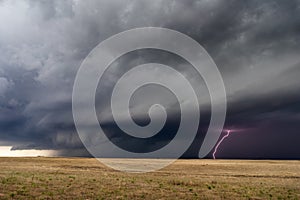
x=82, y=178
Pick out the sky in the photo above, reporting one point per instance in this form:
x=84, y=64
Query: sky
x=255, y=44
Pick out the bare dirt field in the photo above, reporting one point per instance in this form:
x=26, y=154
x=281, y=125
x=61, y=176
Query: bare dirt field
x=86, y=178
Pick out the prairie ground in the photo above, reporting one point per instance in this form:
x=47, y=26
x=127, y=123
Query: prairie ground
x=87, y=178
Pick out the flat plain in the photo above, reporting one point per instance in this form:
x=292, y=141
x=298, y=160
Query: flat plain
x=87, y=178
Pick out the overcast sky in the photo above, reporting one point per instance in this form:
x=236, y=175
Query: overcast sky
x=255, y=44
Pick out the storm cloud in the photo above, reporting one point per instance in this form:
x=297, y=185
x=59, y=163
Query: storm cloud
x=255, y=44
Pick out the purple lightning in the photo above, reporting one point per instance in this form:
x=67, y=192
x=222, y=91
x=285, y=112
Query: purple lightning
x=218, y=144
x=229, y=131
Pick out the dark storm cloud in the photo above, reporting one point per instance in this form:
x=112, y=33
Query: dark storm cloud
x=255, y=44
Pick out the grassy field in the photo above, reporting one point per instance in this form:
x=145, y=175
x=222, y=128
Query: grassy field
x=78, y=178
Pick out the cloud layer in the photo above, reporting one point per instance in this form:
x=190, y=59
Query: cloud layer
x=255, y=44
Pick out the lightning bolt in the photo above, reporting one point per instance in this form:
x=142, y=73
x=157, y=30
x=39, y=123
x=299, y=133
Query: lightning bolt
x=218, y=144
x=229, y=131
